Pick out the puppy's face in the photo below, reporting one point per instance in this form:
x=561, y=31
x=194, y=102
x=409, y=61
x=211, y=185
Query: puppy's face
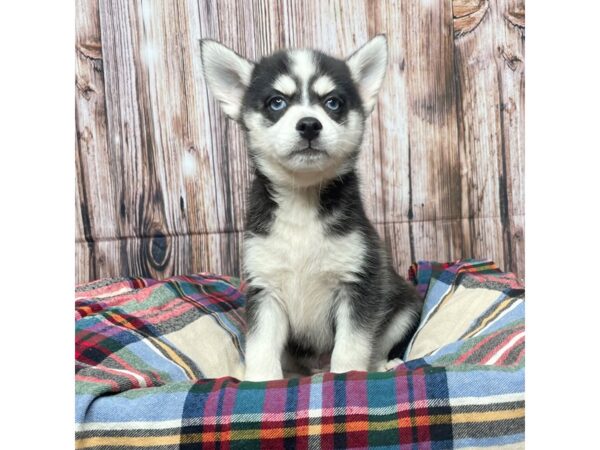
x=303, y=111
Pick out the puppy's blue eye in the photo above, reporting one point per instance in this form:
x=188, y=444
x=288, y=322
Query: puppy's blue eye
x=333, y=104
x=277, y=103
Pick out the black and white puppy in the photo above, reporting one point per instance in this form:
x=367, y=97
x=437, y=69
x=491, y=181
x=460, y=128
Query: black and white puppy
x=319, y=278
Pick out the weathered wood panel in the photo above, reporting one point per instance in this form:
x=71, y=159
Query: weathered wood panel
x=490, y=77
x=97, y=218
x=162, y=175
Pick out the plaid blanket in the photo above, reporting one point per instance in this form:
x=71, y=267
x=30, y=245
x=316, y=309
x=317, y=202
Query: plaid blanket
x=152, y=359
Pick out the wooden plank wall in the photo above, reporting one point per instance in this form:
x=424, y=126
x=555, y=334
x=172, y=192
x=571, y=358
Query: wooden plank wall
x=162, y=175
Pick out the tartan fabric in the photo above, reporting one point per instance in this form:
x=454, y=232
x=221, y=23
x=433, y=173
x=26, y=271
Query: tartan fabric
x=137, y=388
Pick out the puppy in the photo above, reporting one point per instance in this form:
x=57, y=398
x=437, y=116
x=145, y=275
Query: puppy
x=319, y=278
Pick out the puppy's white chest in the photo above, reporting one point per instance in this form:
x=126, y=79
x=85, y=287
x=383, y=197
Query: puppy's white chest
x=301, y=266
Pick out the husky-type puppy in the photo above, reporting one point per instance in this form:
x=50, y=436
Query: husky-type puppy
x=319, y=278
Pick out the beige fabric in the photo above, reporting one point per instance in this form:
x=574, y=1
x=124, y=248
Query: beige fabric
x=213, y=350
x=210, y=347
x=451, y=319
x=515, y=446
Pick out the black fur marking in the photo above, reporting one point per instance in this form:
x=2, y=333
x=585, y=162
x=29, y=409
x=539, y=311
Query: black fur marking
x=297, y=347
x=261, y=206
x=381, y=292
x=345, y=89
x=253, y=295
x=265, y=72
x=341, y=206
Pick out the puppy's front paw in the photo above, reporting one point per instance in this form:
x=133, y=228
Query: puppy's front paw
x=263, y=375
x=384, y=366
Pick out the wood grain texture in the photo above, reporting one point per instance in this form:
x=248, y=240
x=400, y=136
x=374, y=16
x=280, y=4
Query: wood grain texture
x=162, y=175
x=490, y=105
x=467, y=14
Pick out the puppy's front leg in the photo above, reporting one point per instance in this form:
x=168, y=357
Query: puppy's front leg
x=266, y=338
x=353, y=345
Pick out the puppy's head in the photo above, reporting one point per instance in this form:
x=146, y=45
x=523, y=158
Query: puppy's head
x=303, y=111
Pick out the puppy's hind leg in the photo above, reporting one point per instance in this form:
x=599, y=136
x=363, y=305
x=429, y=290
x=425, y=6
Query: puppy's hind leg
x=398, y=329
x=266, y=338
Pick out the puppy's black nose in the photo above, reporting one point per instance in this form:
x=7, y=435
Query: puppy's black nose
x=309, y=127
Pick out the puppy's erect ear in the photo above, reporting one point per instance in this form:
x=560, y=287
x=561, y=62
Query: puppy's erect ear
x=367, y=66
x=227, y=75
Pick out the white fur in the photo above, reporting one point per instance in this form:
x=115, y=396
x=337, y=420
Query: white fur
x=367, y=66
x=389, y=365
x=323, y=86
x=300, y=266
x=265, y=345
x=227, y=74
x=285, y=84
x=304, y=67
x=353, y=348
